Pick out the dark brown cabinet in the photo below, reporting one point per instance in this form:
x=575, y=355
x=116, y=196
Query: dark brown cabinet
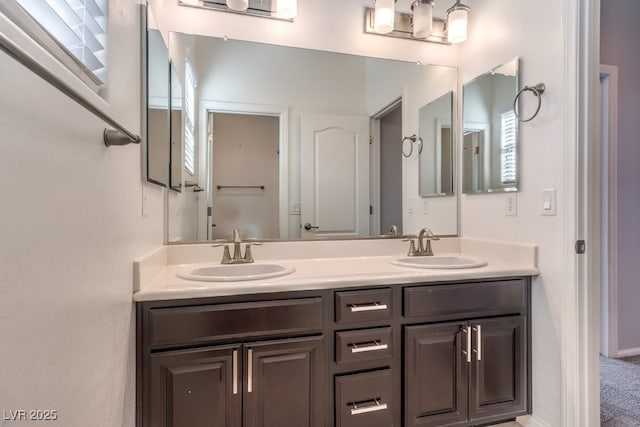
x=416, y=355
x=459, y=372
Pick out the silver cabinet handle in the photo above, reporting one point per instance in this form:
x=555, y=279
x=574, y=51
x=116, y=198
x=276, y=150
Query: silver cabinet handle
x=355, y=308
x=377, y=406
x=234, y=369
x=467, y=351
x=375, y=346
x=249, y=371
x=478, y=330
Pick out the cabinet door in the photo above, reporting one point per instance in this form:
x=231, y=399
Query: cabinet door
x=284, y=383
x=436, y=374
x=195, y=388
x=498, y=372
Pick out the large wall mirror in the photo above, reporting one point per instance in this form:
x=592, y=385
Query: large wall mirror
x=292, y=143
x=490, y=131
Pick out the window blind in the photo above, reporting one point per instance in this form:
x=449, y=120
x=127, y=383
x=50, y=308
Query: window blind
x=508, y=147
x=79, y=27
x=190, y=84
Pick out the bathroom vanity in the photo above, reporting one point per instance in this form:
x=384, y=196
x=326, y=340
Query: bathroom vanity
x=380, y=346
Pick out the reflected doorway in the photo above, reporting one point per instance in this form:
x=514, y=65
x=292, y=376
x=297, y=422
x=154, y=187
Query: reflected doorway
x=244, y=175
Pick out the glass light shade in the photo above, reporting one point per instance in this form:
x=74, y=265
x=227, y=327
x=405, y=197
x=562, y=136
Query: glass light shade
x=286, y=9
x=422, y=20
x=385, y=15
x=457, y=25
x=239, y=5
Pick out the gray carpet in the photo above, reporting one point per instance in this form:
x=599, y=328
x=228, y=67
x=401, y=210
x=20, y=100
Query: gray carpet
x=619, y=392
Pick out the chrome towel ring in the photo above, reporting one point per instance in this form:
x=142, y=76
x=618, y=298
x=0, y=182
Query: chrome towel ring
x=414, y=140
x=537, y=90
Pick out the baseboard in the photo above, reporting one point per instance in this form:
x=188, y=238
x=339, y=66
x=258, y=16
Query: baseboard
x=531, y=421
x=628, y=352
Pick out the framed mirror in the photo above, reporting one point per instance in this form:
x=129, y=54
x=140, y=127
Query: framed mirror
x=282, y=142
x=490, y=131
x=437, y=150
x=157, y=161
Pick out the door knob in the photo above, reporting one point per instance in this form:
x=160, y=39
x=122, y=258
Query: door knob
x=308, y=227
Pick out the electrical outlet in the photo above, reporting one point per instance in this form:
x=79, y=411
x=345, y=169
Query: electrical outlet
x=511, y=205
x=411, y=206
x=425, y=206
x=145, y=201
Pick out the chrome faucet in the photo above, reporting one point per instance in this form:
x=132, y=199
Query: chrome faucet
x=424, y=243
x=237, y=250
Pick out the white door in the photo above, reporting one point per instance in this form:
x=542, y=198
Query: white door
x=334, y=176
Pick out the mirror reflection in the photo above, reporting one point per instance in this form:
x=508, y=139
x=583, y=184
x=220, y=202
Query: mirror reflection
x=490, y=133
x=282, y=144
x=176, y=132
x=157, y=109
x=436, y=156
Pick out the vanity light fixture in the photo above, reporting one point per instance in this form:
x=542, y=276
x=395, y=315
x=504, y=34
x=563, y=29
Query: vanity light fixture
x=457, y=22
x=419, y=24
x=283, y=10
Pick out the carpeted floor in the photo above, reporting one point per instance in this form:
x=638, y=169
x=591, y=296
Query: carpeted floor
x=620, y=392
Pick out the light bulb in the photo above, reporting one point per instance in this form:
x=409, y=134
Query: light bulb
x=239, y=5
x=422, y=19
x=457, y=18
x=286, y=9
x=385, y=15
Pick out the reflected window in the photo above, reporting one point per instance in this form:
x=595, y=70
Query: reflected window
x=190, y=84
x=508, y=147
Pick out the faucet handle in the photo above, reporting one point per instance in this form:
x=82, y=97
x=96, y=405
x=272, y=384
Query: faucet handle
x=226, y=256
x=248, y=255
x=412, y=246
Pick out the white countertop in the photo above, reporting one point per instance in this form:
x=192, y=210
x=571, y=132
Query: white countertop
x=155, y=275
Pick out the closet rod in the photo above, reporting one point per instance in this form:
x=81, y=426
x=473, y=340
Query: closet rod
x=111, y=137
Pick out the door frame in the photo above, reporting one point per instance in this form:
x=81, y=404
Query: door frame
x=282, y=112
x=609, y=223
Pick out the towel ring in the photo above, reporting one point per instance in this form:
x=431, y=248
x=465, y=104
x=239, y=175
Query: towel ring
x=537, y=90
x=414, y=139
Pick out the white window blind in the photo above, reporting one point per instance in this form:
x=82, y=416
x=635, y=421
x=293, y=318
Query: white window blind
x=190, y=85
x=79, y=27
x=508, y=147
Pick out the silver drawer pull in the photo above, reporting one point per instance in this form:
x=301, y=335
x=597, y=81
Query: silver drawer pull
x=355, y=308
x=377, y=406
x=375, y=346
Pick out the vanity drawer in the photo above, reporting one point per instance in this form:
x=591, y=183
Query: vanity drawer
x=363, y=306
x=364, y=400
x=198, y=324
x=465, y=299
x=365, y=344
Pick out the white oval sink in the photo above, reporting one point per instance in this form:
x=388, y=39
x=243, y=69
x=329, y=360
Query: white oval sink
x=440, y=261
x=233, y=272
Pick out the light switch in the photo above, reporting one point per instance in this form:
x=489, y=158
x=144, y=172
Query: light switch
x=548, y=202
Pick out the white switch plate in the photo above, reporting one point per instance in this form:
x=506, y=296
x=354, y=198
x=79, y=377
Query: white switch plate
x=295, y=208
x=411, y=205
x=548, y=206
x=511, y=204
x=425, y=206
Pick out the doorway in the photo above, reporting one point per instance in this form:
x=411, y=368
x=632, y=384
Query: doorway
x=386, y=170
x=244, y=159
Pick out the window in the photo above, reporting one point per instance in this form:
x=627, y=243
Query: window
x=73, y=31
x=190, y=84
x=508, y=147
